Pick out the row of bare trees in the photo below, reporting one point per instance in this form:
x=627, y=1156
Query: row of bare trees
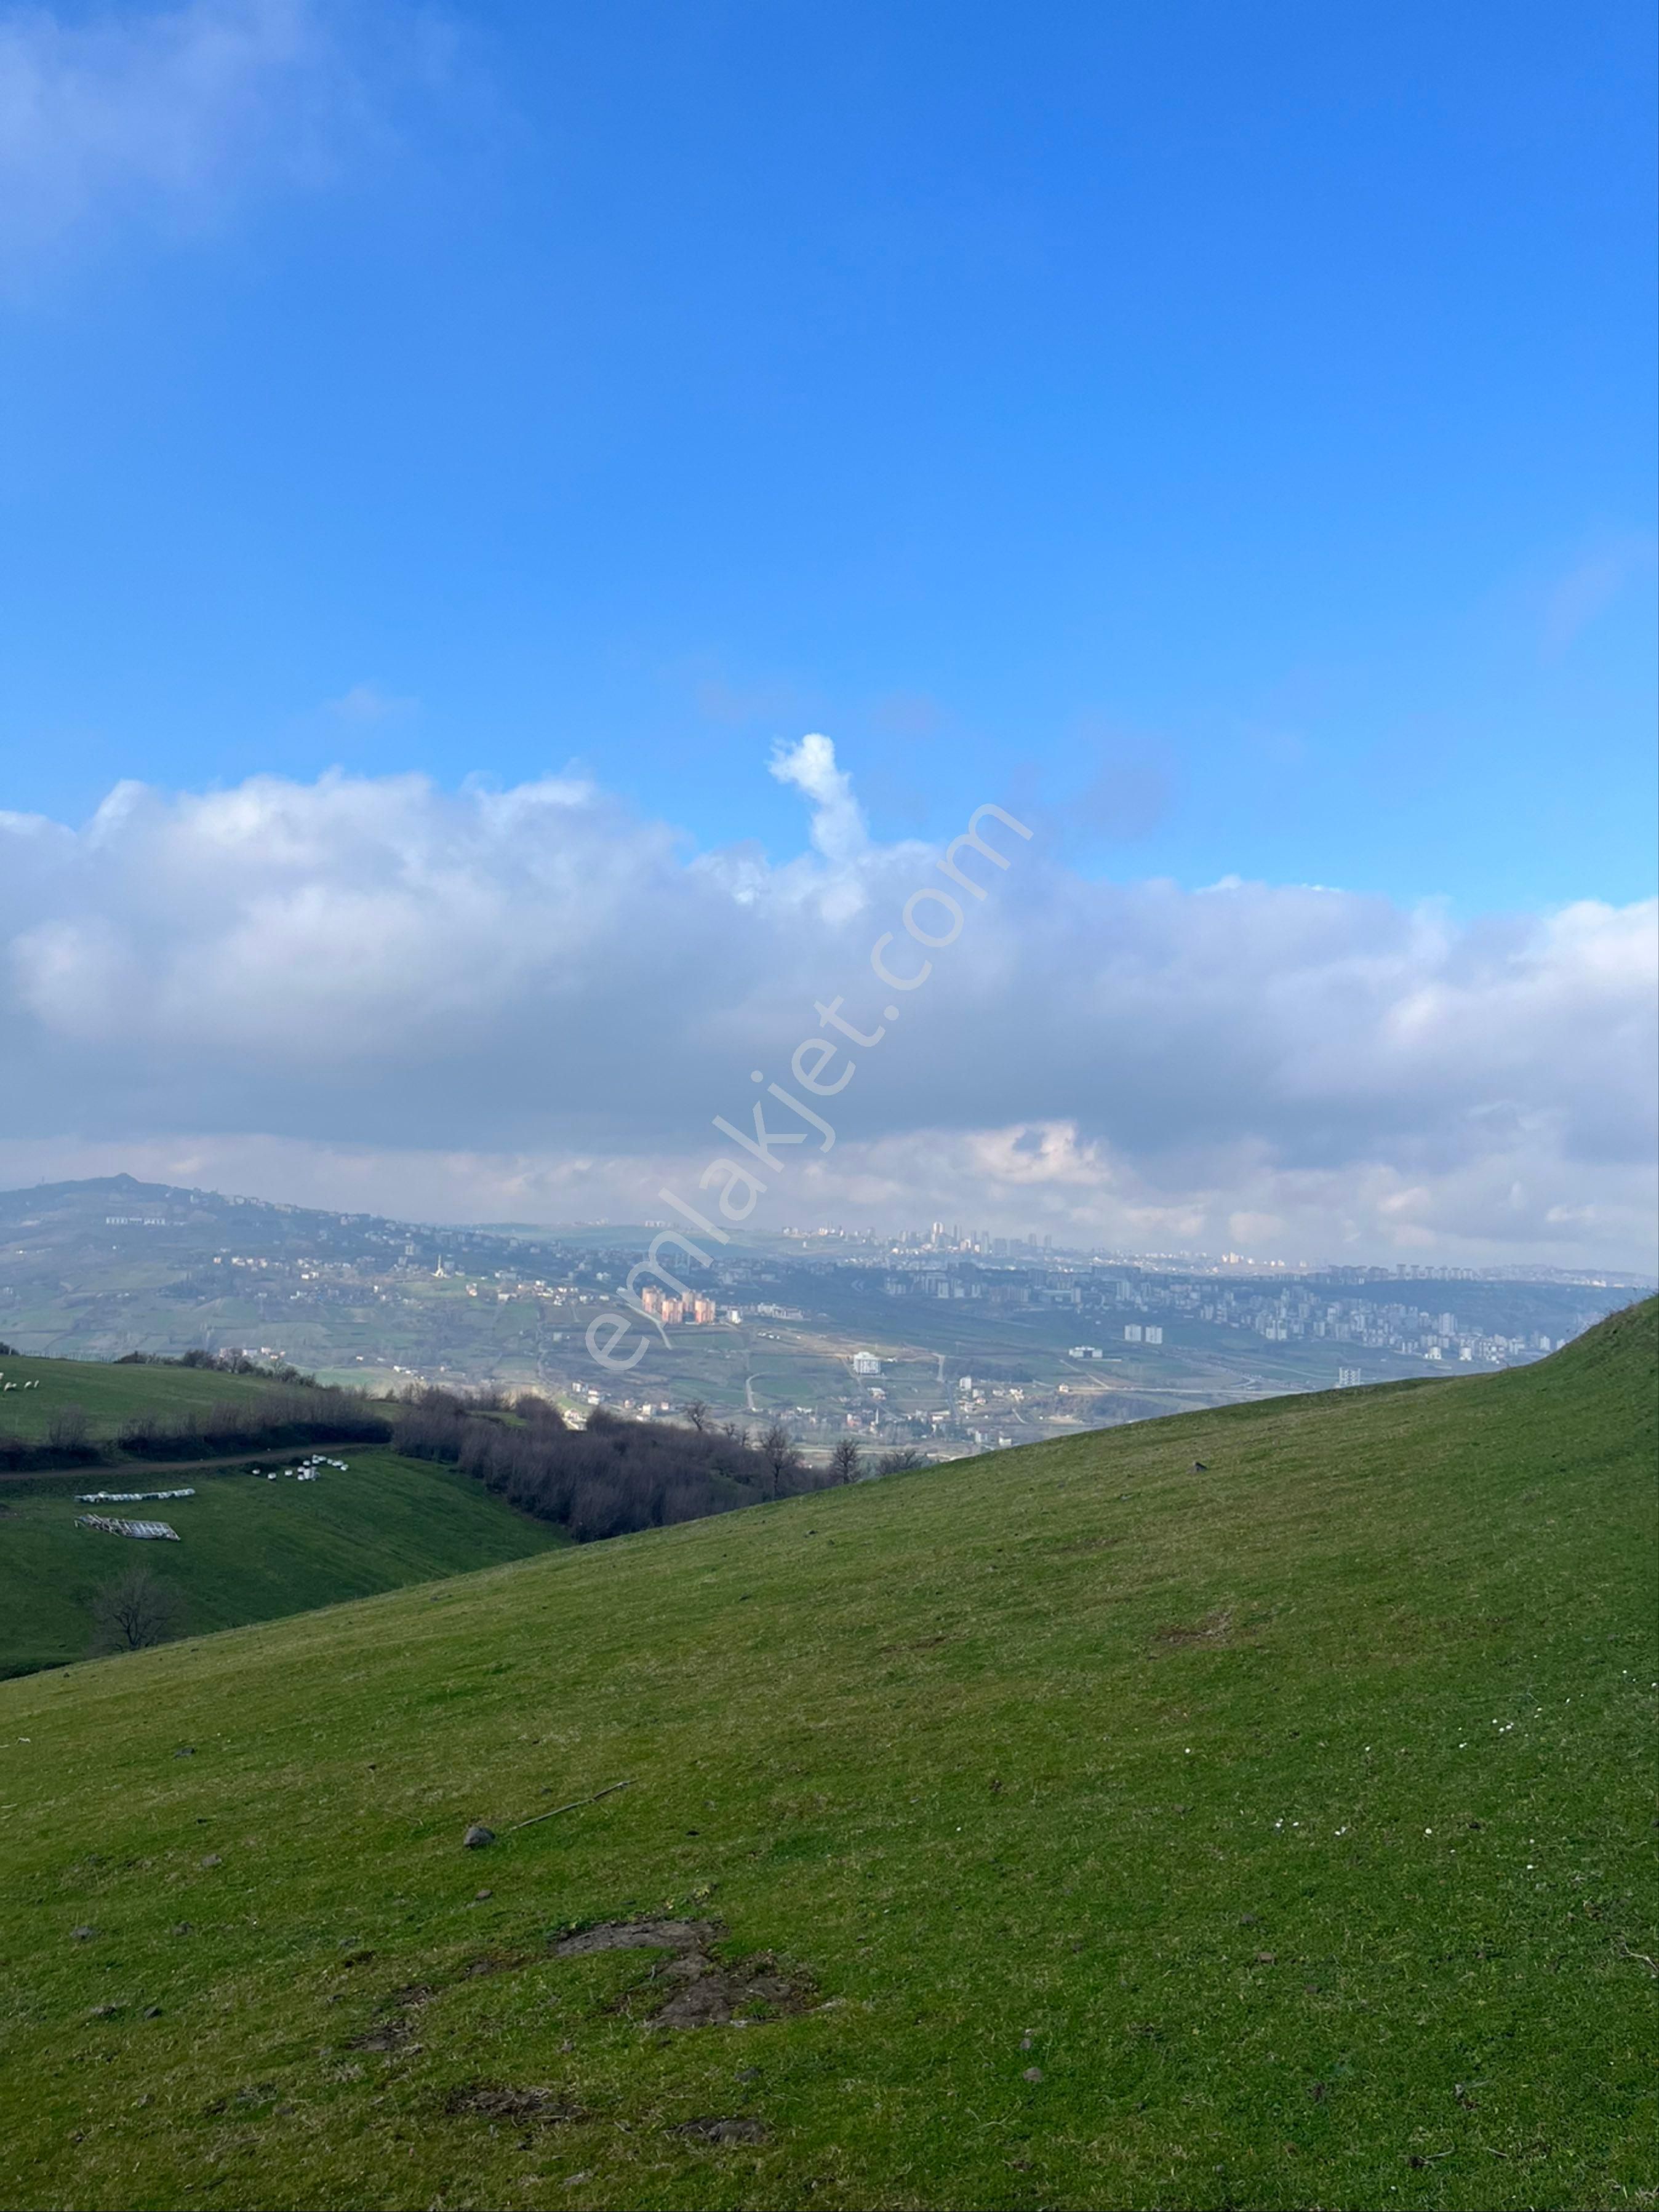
x=846, y=1461
x=614, y=1476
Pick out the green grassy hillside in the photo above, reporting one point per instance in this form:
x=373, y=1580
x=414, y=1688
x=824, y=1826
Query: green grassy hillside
x=1074, y=1829
x=248, y=1550
x=110, y=1393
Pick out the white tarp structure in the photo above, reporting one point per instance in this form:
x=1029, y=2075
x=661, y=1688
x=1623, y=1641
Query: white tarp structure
x=151, y=1529
x=127, y=1497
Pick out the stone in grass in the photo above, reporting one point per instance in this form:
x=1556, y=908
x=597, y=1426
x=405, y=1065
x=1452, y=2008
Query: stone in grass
x=83, y=1935
x=1032, y=2074
x=477, y=1837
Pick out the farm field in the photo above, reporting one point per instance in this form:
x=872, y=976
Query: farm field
x=1250, y=1808
x=249, y=1550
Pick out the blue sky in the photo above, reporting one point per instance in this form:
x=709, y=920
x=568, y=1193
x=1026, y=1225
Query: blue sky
x=1228, y=430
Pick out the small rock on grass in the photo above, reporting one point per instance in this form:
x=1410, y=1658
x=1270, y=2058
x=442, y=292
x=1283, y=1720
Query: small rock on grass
x=477, y=1837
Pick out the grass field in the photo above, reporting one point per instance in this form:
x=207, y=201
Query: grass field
x=249, y=1550
x=109, y=1394
x=1106, y=1834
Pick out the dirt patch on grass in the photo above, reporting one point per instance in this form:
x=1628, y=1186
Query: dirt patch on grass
x=497, y=2101
x=1214, y=1628
x=639, y=1935
x=710, y=1995
x=391, y=2035
x=692, y=1988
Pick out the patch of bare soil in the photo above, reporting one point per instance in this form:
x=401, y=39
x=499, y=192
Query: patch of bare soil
x=391, y=2035
x=496, y=2100
x=697, y=1989
x=639, y=1935
x=1212, y=1629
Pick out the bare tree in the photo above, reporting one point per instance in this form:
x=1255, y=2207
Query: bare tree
x=901, y=1462
x=697, y=1413
x=136, y=1610
x=777, y=1448
x=845, y=1464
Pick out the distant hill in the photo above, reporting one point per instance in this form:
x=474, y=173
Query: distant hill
x=1249, y=1808
x=96, y=1268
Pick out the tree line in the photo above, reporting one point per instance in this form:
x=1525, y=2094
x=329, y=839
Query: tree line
x=610, y=1477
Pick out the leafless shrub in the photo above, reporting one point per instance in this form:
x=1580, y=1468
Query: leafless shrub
x=135, y=1609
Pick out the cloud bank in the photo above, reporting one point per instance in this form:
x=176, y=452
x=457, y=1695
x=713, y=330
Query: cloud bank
x=531, y=1003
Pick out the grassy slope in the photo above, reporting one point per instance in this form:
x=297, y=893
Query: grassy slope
x=110, y=1394
x=248, y=1550
x=1328, y=1897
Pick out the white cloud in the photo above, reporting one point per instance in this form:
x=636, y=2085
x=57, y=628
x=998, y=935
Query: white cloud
x=166, y=114
x=840, y=832
x=533, y=1003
